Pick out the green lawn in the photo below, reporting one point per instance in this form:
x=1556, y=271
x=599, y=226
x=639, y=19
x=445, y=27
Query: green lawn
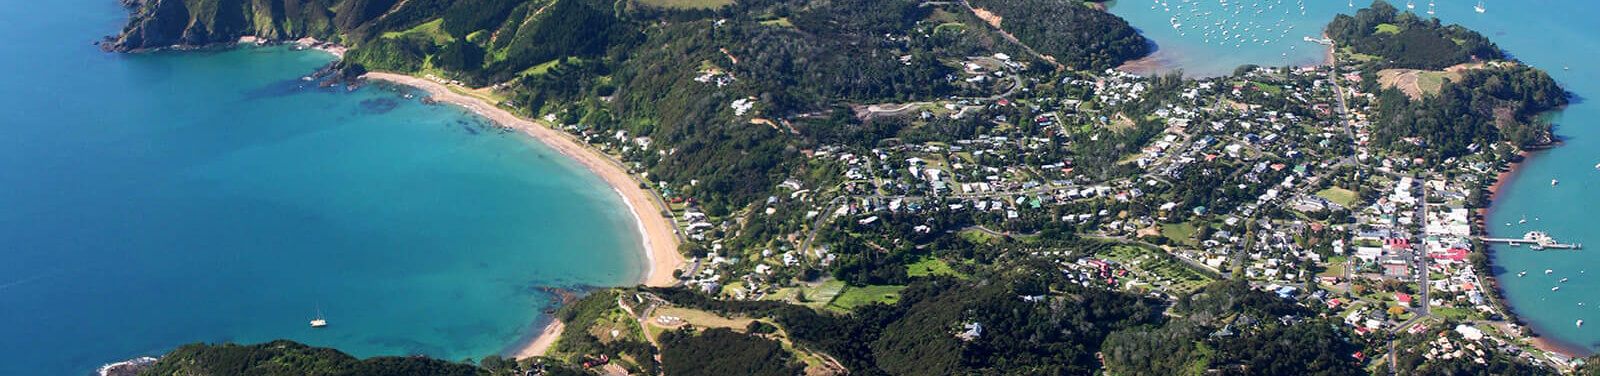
x=1181, y=233
x=1451, y=313
x=930, y=266
x=951, y=27
x=1341, y=196
x=1270, y=89
x=1335, y=269
x=978, y=237
x=853, y=297
x=780, y=21
x=1387, y=29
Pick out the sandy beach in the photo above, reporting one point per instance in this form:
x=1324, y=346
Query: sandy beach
x=660, y=239
x=542, y=343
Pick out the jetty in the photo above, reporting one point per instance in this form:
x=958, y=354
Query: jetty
x=1322, y=41
x=1538, y=239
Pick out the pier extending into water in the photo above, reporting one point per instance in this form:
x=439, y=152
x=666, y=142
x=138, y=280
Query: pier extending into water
x=1517, y=242
x=1538, y=239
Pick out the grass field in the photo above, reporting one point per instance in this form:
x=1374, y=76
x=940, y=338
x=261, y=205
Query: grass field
x=429, y=29
x=702, y=318
x=1335, y=269
x=853, y=297
x=688, y=4
x=1269, y=89
x=1451, y=313
x=1387, y=29
x=542, y=68
x=978, y=237
x=951, y=27
x=930, y=266
x=1181, y=233
x=1431, y=82
x=816, y=297
x=1341, y=196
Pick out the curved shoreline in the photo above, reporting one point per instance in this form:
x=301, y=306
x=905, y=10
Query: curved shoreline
x=1538, y=338
x=658, y=234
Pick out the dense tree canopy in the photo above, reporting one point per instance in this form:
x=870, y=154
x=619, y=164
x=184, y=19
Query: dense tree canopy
x=1071, y=32
x=1405, y=40
x=284, y=357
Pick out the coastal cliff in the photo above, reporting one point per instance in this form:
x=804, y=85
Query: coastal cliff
x=191, y=23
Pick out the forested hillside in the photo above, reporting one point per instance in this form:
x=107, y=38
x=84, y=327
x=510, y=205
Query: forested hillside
x=1493, y=101
x=1495, y=104
x=1070, y=32
x=1404, y=40
x=290, y=358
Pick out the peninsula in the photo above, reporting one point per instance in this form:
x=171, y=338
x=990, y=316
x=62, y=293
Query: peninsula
x=904, y=187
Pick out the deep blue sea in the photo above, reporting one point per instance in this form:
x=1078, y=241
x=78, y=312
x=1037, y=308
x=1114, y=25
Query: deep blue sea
x=1561, y=37
x=147, y=201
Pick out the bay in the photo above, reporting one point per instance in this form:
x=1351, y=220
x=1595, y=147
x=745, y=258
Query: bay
x=152, y=200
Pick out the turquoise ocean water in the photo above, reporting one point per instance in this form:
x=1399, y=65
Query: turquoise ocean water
x=148, y=201
x=1561, y=37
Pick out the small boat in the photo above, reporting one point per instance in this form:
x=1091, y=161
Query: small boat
x=319, y=321
x=1548, y=271
x=1563, y=280
x=1523, y=273
x=1557, y=288
x=1409, y=5
x=1553, y=182
x=1524, y=220
x=1597, y=166
x=1479, y=8
x=1580, y=323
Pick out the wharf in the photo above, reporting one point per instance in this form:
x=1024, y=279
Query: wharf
x=1542, y=244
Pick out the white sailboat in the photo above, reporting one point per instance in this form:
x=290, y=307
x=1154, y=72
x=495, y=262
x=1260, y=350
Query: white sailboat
x=319, y=321
x=1479, y=8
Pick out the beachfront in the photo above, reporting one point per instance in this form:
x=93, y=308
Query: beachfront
x=660, y=240
x=660, y=237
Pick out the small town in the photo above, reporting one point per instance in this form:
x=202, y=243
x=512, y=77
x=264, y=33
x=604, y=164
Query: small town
x=1267, y=177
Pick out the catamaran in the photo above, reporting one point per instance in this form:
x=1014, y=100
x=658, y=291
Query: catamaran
x=319, y=321
x=1409, y=5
